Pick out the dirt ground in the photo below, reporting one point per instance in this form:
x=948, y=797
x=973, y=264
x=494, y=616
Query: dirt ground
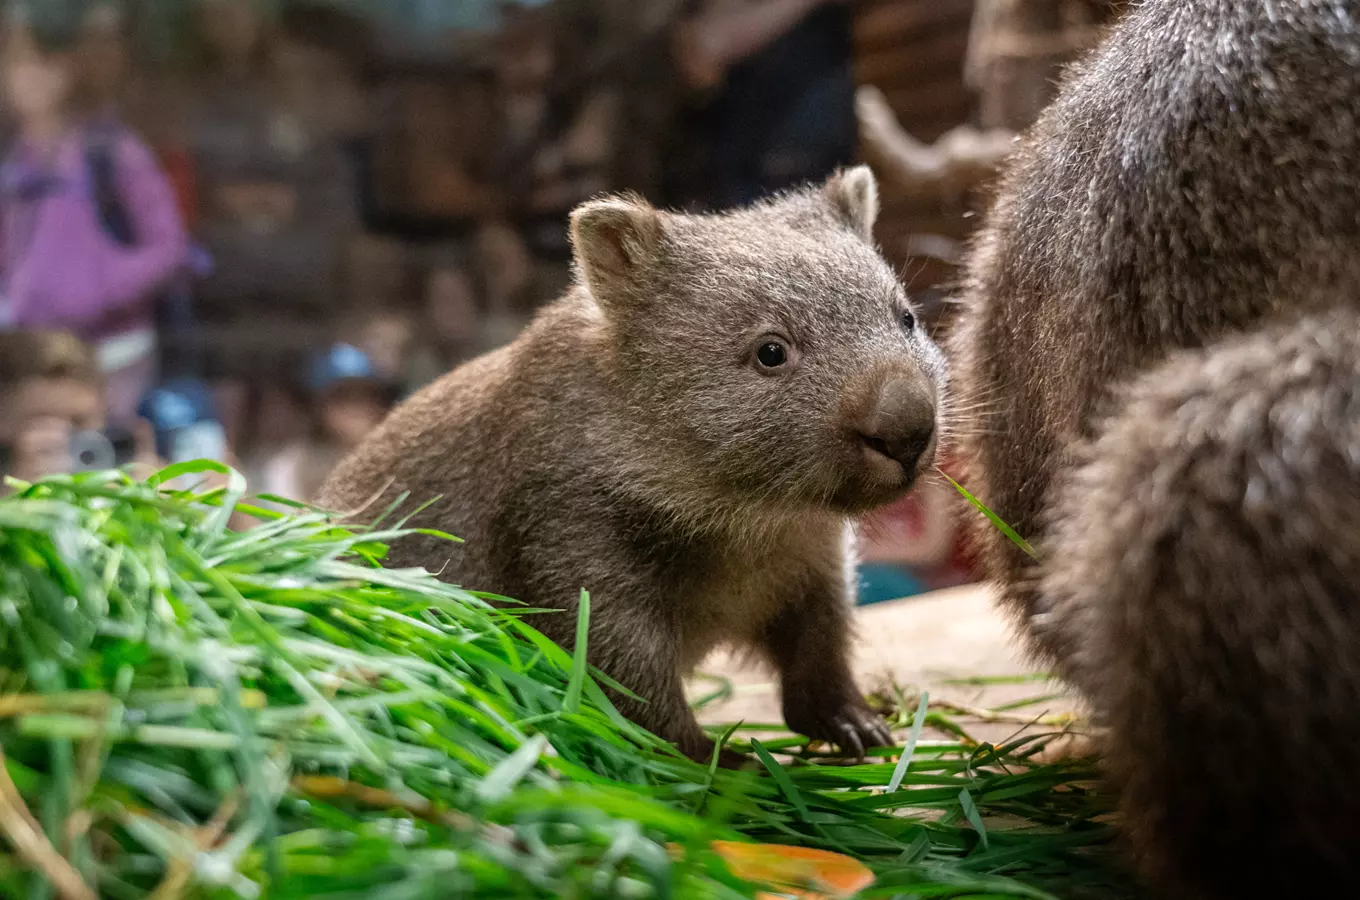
x=926, y=642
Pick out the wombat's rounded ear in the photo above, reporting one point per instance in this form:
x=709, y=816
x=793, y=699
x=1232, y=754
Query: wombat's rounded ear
x=612, y=239
x=853, y=195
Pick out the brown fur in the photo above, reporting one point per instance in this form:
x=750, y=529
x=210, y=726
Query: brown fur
x=1198, y=174
x=627, y=443
x=1194, y=188
x=1205, y=567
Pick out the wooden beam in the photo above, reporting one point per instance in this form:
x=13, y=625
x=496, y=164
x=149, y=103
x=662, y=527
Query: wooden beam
x=895, y=24
x=936, y=57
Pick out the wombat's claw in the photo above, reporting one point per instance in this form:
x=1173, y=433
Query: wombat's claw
x=852, y=728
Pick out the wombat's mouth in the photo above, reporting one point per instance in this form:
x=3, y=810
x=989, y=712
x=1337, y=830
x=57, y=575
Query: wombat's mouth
x=877, y=476
x=876, y=444
x=897, y=466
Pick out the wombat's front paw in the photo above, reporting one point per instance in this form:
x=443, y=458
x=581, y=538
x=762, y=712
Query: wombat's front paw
x=850, y=724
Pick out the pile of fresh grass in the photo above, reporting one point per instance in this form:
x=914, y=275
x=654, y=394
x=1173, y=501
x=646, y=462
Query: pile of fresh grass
x=187, y=711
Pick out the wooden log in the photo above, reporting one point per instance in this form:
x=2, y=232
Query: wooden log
x=897, y=24
x=960, y=161
x=908, y=65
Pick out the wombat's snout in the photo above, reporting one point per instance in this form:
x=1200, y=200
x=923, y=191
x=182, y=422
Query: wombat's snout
x=899, y=427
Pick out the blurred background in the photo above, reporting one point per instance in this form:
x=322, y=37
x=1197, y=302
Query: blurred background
x=244, y=229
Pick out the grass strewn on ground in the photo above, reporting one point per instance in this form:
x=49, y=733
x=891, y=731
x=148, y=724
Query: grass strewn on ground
x=187, y=711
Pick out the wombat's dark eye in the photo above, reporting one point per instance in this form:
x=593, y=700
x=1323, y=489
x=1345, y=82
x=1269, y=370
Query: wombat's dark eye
x=908, y=320
x=772, y=355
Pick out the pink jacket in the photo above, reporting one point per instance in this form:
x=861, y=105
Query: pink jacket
x=58, y=269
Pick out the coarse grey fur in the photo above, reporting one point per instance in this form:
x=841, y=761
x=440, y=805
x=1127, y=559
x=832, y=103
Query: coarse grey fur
x=1200, y=172
x=1195, y=188
x=1204, y=573
x=629, y=443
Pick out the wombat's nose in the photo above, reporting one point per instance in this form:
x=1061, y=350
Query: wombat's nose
x=901, y=424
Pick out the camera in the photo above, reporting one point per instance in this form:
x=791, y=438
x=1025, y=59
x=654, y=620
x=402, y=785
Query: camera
x=94, y=451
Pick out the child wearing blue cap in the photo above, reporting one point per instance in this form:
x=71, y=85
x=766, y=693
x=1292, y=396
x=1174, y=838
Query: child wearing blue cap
x=349, y=398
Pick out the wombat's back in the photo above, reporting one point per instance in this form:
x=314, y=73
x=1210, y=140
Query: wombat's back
x=474, y=446
x=1203, y=164
x=505, y=453
x=435, y=445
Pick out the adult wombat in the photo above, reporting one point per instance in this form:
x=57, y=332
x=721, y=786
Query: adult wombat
x=686, y=434
x=1195, y=187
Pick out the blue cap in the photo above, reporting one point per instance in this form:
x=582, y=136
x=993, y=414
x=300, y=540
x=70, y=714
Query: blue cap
x=184, y=415
x=176, y=404
x=342, y=362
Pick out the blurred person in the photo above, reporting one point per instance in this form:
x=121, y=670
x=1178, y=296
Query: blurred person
x=351, y=396
x=454, y=324
x=782, y=72
x=232, y=399
x=115, y=92
x=398, y=349
x=320, y=58
x=512, y=282
x=278, y=415
x=505, y=265
x=454, y=313
x=102, y=54
x=516, y=281
x=386, y=336
x=53, y=418
x=349, y=399
x=181, y=420
x=90, y=230
x=624, y=45
x=184, y=418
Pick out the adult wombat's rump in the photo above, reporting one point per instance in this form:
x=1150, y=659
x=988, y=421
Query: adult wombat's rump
x=1204, y=574
x=1194, y=189
x=686, y=434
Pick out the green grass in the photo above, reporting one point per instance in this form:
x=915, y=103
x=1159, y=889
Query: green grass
x=992, y=517
x=186, y=711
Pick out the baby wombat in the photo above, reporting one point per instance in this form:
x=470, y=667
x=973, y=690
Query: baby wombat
x=1195, y=187
x=686, y=434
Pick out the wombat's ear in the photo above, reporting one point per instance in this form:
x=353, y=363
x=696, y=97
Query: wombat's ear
x=853, y=195
x=613, y=238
